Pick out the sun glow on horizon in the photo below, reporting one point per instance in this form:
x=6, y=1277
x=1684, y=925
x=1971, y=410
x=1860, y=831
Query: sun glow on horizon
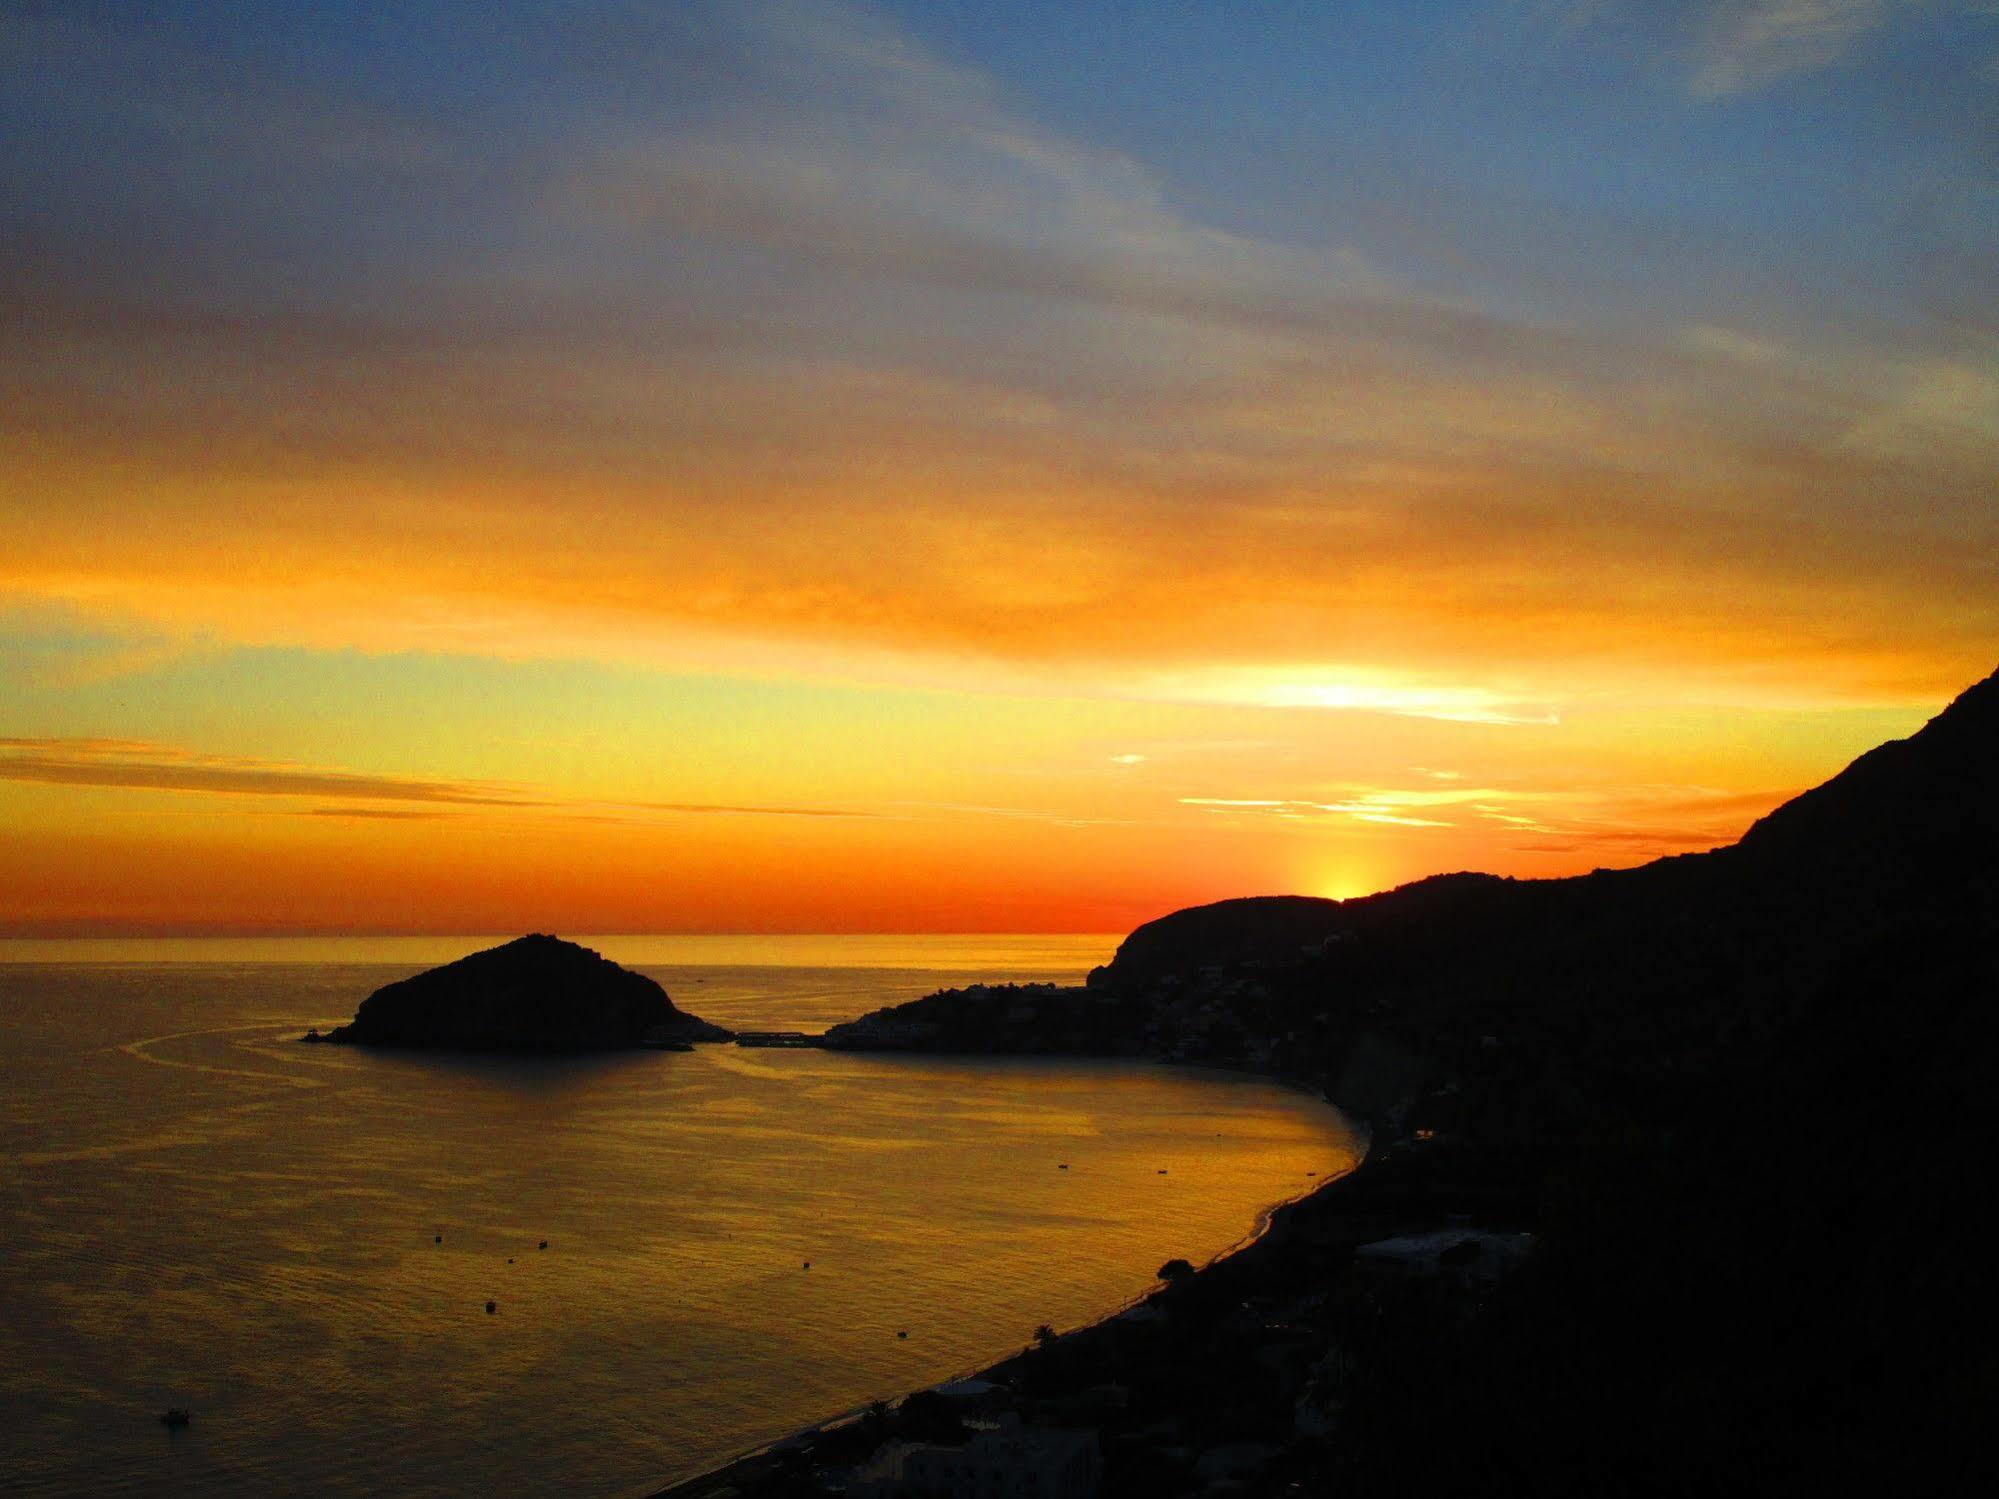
x=1341, y=887
x=1354, y=689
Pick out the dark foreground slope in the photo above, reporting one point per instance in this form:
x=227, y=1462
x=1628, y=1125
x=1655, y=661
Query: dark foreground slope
x=1743, y=1099
x=536, y=993
x=1771, y=1280
x=1756, y=1142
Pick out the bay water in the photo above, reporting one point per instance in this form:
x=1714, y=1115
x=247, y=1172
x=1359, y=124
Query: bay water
x=298, y=1244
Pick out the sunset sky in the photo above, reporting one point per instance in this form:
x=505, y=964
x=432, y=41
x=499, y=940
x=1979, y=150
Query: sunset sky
x=967, y=467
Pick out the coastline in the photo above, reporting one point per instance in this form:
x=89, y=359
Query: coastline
x=724, y=1478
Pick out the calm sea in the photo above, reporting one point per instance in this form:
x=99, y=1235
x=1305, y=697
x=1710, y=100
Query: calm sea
x=195, y=1210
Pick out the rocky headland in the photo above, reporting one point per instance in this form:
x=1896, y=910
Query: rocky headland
x=535, y=994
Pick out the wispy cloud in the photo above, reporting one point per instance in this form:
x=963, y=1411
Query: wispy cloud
x=1353, y=689
x=1640, y=820
x=140, y=765
x=1748, y=43
x=1380, y=810
x=84, y=746
x=1730, y=47
x=1055, y=817
x=725, y=809
x=1617, y=819
x=143, y=765
x=388, y=814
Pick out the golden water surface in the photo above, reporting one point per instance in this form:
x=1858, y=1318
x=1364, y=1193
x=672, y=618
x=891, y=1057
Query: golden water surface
x=195, y=1210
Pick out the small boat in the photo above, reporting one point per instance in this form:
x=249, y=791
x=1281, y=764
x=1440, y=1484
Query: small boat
x=175, y=1418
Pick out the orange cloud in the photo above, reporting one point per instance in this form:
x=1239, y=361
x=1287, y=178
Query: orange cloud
x=962, y=398
x=139, y=765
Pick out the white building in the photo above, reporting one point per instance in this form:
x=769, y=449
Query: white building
x=1470, y=1257
x=1006, y=1461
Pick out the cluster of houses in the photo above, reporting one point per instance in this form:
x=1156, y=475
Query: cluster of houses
x=1470, y=1259
x=1056, y=1453
x=1002, y=1459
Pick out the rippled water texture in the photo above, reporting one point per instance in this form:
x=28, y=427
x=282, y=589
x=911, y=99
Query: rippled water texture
x=197, y=1211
